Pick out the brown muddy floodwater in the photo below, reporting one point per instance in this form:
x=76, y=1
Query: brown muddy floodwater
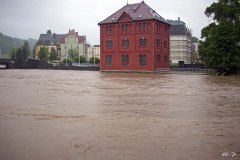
x=80, y=115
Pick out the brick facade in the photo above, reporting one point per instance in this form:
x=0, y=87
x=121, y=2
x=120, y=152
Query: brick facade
x=134, y=45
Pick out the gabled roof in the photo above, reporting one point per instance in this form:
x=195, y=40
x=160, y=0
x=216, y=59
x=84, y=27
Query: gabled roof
x=137, y=11
x=53, y=39
x=178, y=28
x=49, y=39
x=81, y=39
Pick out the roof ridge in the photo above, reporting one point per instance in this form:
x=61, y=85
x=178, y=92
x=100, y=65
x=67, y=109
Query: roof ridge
x=137, y=11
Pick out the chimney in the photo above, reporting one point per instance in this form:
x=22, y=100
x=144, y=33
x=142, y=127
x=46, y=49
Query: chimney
x=178, y=18
x=69, y=30
x=77, y=33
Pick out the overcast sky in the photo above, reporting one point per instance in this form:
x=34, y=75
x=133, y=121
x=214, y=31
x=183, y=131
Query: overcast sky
x=29, y=18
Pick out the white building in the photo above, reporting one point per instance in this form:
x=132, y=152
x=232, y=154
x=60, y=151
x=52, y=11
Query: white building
x=96, y=51
x=180, y=42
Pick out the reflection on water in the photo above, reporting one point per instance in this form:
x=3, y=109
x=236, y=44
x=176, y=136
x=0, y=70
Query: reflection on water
x=91, y=115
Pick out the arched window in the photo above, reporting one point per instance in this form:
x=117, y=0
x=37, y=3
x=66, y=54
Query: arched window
x=142, y=60
x=125, y=28
x=125, y=60
x=109, y=60
x=144, y=26
x=165, y=59
x=109, y=43
x=125, y=43
x=143, y=42
x=165, y=44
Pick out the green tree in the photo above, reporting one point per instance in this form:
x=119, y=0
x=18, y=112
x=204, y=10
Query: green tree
x=96, y=59
x=25, y=50
x=194, y=39
x=12, y=53
x=43, y=53
x=53, y=55
x=220, y=48
x=73, y=54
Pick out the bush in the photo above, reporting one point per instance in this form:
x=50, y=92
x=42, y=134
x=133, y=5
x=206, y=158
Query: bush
x=97, y=60
x=82, y=59
x=66, y=60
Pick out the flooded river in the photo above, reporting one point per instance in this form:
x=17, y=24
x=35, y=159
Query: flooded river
x=80, y=115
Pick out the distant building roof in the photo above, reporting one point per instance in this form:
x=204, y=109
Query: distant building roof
x=137, y=11
x=50, y=38
x=178, y=28
x=53, y=39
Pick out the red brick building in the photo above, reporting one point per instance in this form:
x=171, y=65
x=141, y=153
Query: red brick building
x=135, y=38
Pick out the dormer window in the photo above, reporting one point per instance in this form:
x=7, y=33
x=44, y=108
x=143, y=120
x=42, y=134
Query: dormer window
x=140, y=16
x=113, y=19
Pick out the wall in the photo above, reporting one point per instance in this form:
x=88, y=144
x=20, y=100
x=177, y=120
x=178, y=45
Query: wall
x=134, y=50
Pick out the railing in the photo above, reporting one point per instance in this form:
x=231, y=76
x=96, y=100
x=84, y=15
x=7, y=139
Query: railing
x=84, y=65
x=186, y=70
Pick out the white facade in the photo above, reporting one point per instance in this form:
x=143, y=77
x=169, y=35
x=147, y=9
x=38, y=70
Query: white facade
x=96, y=51
x=89, y=51
x=180, y=48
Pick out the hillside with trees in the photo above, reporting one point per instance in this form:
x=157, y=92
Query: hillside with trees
x=8, y=43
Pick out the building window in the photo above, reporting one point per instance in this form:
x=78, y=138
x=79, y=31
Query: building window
x=109, y=43
x=145, y=26
x=158, y=58
x=125, y=60
x=158, y=42
x=125, y=28
x=143, y=42
x=109, y=60
x=165, y=59
x=165, y=44
x=108, y=29
x=142, y=60
x=125, y=43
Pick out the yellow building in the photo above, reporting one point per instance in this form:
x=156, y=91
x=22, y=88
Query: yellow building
x=61, y=43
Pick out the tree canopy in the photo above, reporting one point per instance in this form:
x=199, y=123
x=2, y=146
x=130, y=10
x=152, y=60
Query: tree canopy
x=53, y=55
x=20, y=55
x=194, y=39
x=43, y=53
x=220, y=48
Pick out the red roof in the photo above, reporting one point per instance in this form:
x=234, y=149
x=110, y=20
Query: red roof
x=137, y=11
